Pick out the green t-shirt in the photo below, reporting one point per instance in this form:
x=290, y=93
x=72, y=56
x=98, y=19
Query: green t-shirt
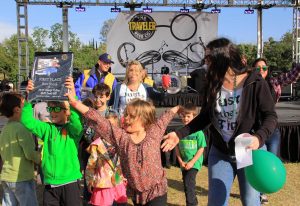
x=189, y=146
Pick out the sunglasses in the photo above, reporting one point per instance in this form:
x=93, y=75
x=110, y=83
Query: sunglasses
x=55, y=109
x=265, y=68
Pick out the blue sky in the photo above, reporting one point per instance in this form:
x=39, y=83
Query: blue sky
x=233, y=23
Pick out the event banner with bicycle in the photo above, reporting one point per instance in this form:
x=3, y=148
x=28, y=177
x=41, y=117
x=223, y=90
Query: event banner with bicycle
x=49, y=74
x=161, y=39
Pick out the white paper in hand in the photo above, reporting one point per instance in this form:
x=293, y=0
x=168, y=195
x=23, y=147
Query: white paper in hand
x=243, y=155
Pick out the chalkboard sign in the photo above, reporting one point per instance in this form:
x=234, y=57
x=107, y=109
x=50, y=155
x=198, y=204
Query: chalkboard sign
x=49, y=73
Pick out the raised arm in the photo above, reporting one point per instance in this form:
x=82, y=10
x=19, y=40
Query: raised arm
x=171, y=140
x=166, y=117
x=75, y=125
x=93, y=119
x=35, y=126
x=287, y=78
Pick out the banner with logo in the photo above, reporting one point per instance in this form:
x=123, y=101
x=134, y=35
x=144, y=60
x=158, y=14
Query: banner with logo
x=172, y=39
x=49, y=74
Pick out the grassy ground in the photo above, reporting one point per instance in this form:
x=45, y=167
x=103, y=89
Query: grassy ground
x=288, y=196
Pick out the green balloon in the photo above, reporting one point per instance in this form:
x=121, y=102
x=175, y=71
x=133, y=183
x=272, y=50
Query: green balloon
x=267, y=174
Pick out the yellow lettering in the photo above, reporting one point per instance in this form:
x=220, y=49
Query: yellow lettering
x=152, y=25
x=140, y=26
x=131, y=25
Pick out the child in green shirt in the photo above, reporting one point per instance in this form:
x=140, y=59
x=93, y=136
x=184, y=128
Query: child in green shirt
x=189, y=153
x=17, y=150
x=60, y=164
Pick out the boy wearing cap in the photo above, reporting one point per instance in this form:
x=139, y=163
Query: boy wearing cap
x=99, y=74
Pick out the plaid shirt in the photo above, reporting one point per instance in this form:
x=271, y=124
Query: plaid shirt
x=284, y=79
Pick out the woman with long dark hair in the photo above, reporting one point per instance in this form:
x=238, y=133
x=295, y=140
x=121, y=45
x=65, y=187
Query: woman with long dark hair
x=234, y=96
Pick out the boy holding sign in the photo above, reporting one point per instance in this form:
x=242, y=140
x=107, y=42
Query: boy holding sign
x=60, y=164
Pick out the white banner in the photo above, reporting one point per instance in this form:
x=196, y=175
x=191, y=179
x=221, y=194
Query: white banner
x=158, y=39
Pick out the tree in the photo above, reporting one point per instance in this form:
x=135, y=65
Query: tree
x=279, y=53
x=39, y=36
x=105, y=29
x=74, y=42
x=85, y=57
x=250, y=51
x=56, y=34
x=9, y=56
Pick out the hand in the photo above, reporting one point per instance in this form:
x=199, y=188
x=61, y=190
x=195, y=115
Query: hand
x=182, y=164
x=244, y=60
x=71, y=93
x=30, y=86
x=177, y=109
x=69, y=83
x=189, y=165
x=170, y=141
x=180, y=110
x=254, y=143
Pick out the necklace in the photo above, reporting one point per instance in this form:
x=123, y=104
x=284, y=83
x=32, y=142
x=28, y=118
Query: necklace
x=234, y=104
x=234, y=97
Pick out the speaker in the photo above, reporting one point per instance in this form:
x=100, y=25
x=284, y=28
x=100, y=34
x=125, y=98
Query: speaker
x=287, y=92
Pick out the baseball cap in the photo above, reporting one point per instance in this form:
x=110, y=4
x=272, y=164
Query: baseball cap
x=105, y=58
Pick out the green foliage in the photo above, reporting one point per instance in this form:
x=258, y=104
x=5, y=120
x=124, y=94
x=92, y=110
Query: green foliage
x=56, y=36
x=85, y=57
x=279, y=53
x=39, y=37
x=250, y=51
x=9, y=56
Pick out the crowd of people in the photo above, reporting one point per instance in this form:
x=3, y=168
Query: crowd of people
x=110, y=131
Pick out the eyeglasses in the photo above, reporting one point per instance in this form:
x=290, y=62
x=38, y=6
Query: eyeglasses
x=265, y=68
x=55, y=109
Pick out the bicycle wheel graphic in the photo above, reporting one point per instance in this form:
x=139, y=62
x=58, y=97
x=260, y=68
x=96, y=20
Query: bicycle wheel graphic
x=183, y=27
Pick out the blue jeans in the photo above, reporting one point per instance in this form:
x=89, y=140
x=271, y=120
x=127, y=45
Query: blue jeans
x=221, y=173
x=273, y=143
x=19, y=193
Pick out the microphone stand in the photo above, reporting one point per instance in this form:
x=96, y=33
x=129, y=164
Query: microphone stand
x=152, y=68
x=187, y=57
